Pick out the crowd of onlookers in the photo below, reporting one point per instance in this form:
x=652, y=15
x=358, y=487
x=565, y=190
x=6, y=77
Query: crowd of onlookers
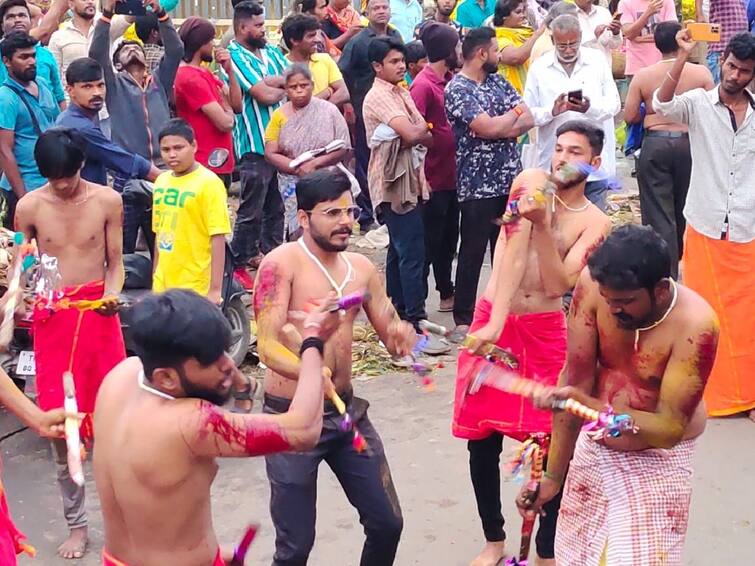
x=431, y=110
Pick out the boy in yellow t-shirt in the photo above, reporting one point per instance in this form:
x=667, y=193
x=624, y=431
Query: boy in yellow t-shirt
x=189, y=217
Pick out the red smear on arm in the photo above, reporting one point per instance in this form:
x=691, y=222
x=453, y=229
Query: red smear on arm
x=265, y=287
x=255, y=438
x=706, y=354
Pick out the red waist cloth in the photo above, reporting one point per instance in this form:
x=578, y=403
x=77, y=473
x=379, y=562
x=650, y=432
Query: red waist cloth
x=538, y=341
x=11, y=539
x=88, y=343
x=108, y=560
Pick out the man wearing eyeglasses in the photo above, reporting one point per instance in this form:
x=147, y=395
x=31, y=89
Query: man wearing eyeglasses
x=573, y=82
x=289, y=278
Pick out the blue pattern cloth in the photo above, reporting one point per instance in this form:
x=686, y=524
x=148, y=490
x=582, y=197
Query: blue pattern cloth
x=484, y=168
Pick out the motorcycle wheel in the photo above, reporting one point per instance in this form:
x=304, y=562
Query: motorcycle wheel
x=241, y=332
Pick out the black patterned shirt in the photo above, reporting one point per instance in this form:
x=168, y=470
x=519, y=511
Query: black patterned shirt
x=484, y=168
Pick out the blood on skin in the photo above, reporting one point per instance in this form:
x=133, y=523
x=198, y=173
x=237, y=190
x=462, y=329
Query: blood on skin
x=255, y=438
x=706, y=354
x=591, y=249
x=265, y=287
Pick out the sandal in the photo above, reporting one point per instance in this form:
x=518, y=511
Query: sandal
x=244, y=396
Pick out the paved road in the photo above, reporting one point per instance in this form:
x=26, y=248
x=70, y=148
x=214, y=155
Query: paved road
x=430, y=471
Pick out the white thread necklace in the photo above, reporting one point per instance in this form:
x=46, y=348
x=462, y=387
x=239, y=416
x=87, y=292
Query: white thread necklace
x=349, y=269
x=149, y=389
x=660, y=320
x=566, y=206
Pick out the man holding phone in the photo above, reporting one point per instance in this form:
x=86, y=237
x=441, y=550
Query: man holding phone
x=665, y=162
x=638, y=21
x=599, y=30
x=571, y=82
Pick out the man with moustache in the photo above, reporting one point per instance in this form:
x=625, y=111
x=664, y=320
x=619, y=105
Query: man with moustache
x=160, y=427
x=440, y=214
x=719, y=241
x=573, y=67
x=15, y=17
x=86, y=90
x=359, y=76
x=538, y=258
x=27, y=109
x=442, y=15
x=258, y=67
x=288, y=279
x=645, y=345
x=141, y=99
x=487, y=115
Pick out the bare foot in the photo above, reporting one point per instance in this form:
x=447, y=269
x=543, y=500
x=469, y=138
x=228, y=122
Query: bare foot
x=75, y=545
x=491, y=554
x=752, y=415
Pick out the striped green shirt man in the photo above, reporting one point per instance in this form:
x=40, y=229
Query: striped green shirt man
x=249, y=129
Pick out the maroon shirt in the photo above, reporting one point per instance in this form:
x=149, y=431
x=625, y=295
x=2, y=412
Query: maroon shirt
x=427, y=91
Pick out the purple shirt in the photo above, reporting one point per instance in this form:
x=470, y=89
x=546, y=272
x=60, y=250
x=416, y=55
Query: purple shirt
x=427, y=91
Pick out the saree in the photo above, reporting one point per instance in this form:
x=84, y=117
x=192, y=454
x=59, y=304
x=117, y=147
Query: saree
x=538, y=341
x=513, y=37
x=721, y=272
x=348, y=17
x=625, y=508
x=306, y=129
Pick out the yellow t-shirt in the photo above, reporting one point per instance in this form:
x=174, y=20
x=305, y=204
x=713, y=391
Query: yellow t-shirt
x=324, y=71
x=186, y=212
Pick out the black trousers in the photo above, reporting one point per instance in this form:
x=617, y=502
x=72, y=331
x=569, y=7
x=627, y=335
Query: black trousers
x=440, y=216
x=259, y=220
x=663, y=176
x=365, y=478
x=485, y=470
x=362, y=159
x=477, y=231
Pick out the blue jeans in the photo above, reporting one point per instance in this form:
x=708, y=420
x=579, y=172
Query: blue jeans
x=405, y=263
x=714, y=65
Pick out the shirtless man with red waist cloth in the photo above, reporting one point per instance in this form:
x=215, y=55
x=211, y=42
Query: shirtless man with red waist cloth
x=521, y=311
x=160, y=426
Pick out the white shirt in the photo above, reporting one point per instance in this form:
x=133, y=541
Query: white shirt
x=607, y=41
x=547, y=80
x=721, y=198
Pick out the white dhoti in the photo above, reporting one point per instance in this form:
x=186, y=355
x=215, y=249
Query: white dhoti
x=625, y=508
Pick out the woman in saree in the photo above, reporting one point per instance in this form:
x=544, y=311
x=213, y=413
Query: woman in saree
x=515, y=41
x=302, y=124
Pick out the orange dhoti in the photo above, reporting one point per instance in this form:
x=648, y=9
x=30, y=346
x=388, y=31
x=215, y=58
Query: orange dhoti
x=723, y=273
x=538, y=341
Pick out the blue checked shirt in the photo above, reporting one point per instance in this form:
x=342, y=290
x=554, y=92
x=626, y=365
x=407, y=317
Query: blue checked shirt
x=249, y=130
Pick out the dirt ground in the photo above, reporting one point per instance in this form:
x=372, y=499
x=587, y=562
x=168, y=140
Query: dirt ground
x=430, y=471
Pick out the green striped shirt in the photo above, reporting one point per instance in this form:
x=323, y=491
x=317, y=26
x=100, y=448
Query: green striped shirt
x=249, y=129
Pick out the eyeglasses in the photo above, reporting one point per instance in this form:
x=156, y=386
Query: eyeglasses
x=336, y=213
x=563, y=46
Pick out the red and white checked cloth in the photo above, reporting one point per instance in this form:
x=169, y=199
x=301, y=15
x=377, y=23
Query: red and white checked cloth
x=632, y=505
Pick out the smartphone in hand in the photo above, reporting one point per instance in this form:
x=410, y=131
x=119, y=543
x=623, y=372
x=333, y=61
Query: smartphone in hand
x=574, y=96
x=130, y=8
